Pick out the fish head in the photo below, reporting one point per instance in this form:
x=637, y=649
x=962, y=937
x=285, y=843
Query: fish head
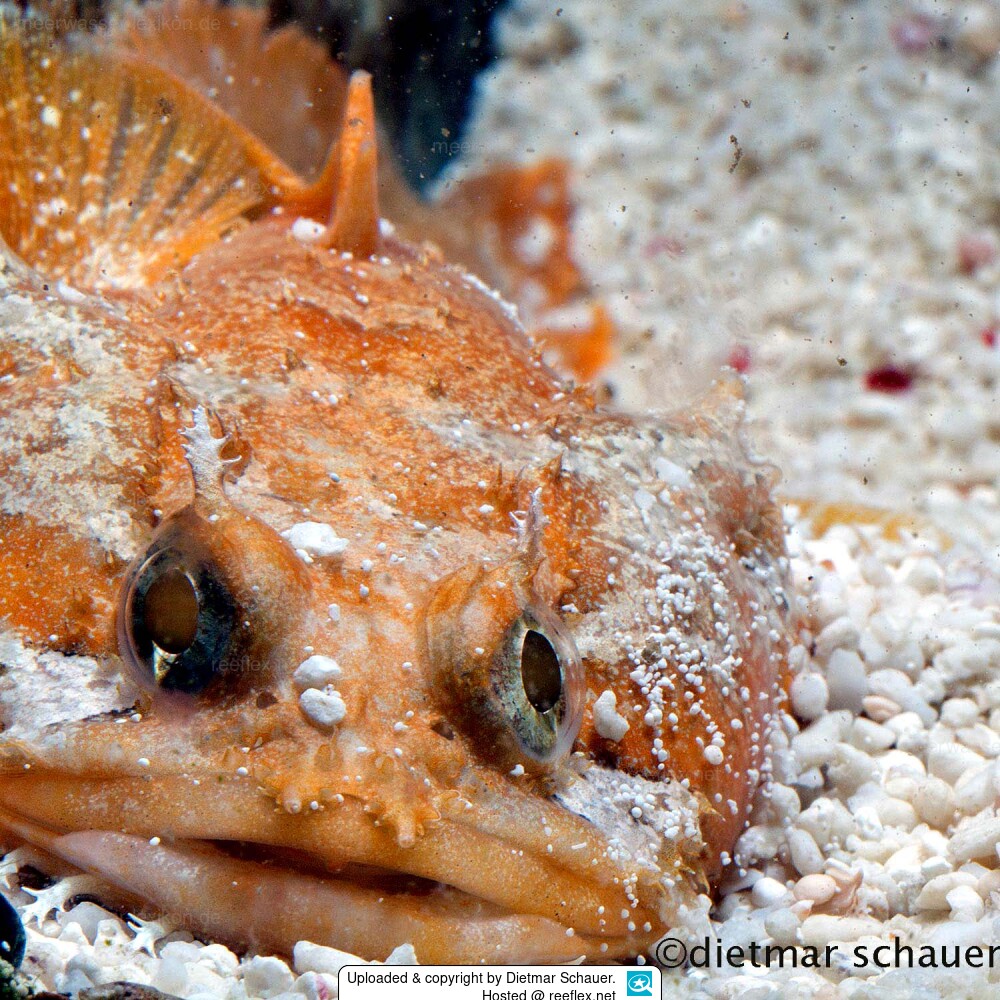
x=360, y=606
x=329, y=612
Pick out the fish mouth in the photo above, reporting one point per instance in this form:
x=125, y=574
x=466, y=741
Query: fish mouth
x=244, y=874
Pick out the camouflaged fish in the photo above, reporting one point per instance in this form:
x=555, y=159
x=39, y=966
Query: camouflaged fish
x=327, y=610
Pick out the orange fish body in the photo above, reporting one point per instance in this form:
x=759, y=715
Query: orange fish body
x=328, y=611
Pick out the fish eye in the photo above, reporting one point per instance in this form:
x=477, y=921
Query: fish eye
x=506, y=670
x=538, y=677
x=170, y=611
x=538, y=681
x=176, y=619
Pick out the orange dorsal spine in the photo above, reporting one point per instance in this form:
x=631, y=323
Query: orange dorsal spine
x=354, y=222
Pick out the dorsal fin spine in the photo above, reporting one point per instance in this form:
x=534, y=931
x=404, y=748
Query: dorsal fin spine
x=354, y=222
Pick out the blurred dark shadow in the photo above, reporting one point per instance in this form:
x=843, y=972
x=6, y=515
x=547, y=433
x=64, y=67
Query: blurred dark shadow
x=424, y=57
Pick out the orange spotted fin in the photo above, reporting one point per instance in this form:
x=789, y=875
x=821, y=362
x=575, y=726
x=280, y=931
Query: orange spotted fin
x=528, y=211
x=113, y=171
x=510, y=225
x=584, y=348
x=110, y=175
x=284, y=90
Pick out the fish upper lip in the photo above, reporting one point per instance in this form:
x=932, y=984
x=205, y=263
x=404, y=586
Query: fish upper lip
x=434, y=894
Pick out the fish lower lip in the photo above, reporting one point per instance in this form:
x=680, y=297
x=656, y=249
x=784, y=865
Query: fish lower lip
x=252, y=895
x=521, y=855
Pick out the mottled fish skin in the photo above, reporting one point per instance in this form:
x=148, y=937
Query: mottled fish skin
x=370, y=456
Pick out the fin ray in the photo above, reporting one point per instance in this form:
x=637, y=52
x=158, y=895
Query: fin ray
x=113, y=171
x=101, y=184
x=155, y=167
x=119, y=137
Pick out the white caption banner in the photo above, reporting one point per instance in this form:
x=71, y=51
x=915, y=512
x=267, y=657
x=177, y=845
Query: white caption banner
x=498, y=982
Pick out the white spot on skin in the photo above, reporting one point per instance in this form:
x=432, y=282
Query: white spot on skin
x=671, y=474
x=713, y=754
x=324, y=709
x=308, y=230
x=317, y=672
x=69, y=294
x=40, y=689
x=315, y=539
x=607, y=721
x=51, y=116
x=644, y=500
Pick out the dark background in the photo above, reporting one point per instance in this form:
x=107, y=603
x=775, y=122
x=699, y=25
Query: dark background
x=424, y=57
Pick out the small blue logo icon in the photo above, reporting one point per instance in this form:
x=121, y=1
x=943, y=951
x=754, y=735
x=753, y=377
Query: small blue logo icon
x=639, y=983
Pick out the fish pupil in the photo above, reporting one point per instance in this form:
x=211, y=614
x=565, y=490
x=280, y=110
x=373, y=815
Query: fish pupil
x=541, y=674
x=170, y=611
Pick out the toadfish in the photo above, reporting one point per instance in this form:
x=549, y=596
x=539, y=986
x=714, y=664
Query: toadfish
x=327, y=610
